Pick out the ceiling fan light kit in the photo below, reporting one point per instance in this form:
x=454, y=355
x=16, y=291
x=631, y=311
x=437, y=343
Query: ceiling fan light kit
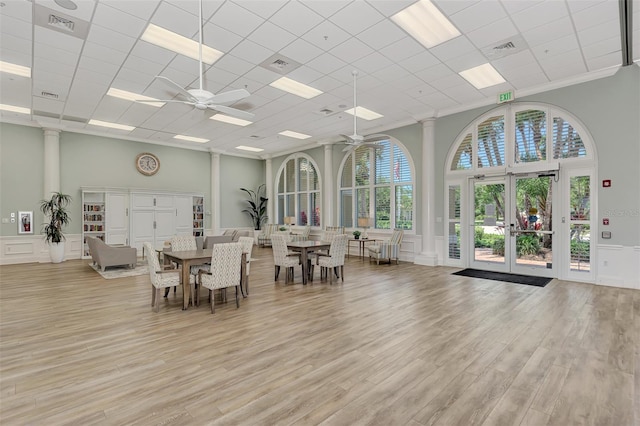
x=202, y=99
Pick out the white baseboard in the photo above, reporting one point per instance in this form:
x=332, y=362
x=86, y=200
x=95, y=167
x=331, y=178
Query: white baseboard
x=33, y=249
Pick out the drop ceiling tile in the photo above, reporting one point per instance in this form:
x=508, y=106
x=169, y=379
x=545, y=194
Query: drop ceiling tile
x=373, y=62
x=236, y=19
x=381, y=35
x=84, y=10
x=326, y=36
x=153, y=53
x=420, y=91
x=271, y=36
x=394, y=72
x=142, y=9
x=296, y=18
x=103, y=53
x=577, y=6
x=110, y=39
x=562, y=66
x=251, y=52
x=21, y=10
x=219, y=38
x=16, y=27
x=556, y=47
x=262, y=75
x=491, y=34
x=444, y=83
x=464, y=62
x=356, y=17
x=16, y=47
x=327, y=83
x=548, y=32
x=434, y=73
x=407, y=83
x=175, y=19
x=325, y=8
x=389, y=8
x=305, y=75
x=419, y=62
x=540, y=14
x=605, y=61
x=264, y=9
x=599, y=32
x=515, y=6
x=450, y=7
x=56, y=39
x=604, y=47
x=47, y=105
x=402, y=49
x=478, y=15
x=53, y=67
x=233, y=64
x=96, y=70
x=135, y=76
x=326, y=63
x=515, y=61
x=15, y=90
x=453, y=48
x=606, y=11
x=119, y=21
x=351, y=50
x=215, y=79
x=149, y=67
x=301, y=51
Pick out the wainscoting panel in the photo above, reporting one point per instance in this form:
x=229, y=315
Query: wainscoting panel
x=618, y=266
x=33, y=249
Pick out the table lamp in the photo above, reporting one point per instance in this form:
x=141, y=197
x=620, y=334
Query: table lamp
x=289, y=220
x=363, y=222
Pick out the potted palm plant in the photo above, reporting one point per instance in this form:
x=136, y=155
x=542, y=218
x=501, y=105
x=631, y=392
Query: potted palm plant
x=257, y=206
x=56, y=210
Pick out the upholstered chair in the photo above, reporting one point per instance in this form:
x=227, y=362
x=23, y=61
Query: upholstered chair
x=336, y=229
x=264, y=237
x=333, y=260
x=282, y=257
x=247, y=247
x=160, y=278
x=105, y=255
x=387, y=249
x=225, y=271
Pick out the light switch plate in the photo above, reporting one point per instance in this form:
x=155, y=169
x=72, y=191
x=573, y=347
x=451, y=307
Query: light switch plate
x=606, y=235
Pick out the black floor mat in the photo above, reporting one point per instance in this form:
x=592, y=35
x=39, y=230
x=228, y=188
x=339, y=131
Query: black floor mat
x=501, y=276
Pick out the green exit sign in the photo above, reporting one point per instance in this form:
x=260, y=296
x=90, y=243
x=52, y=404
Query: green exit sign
x=505, y=97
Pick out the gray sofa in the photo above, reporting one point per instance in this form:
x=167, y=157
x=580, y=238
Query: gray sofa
x=104, y=255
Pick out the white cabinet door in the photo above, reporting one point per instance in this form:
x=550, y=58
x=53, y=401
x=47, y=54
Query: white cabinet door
x=142, y=228
x=184, y=212
x=117, y=218
x=164, y=201
x=165, y=226
x=142, y=201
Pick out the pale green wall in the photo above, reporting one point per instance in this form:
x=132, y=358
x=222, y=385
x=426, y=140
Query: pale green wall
x=236, y=173
x=610, y=110
x=21, y=174
x=96, y=161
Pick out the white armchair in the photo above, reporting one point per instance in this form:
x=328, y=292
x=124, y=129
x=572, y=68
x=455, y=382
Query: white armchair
x=387, y=249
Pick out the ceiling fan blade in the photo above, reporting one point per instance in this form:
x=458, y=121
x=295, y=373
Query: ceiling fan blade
x=176, y=86
x=233, y=112
x=228, y=97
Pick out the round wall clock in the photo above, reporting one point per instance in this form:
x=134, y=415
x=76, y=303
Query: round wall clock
x=147, y=164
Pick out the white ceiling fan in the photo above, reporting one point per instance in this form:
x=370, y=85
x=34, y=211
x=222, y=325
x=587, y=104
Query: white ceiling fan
x=202, y=99
x=355, y=140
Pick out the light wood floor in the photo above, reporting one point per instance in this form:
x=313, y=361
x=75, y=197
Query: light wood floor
x=393, y=345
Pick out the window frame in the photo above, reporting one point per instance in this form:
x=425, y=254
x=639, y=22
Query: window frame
x=295, y=194
x=372, y=185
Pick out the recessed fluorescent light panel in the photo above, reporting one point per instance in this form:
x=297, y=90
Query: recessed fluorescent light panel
x=296, y=88
x=190, y=139
x=482, y=76
x=130, y=96
x=13, y=108
x=231, y=120
x=15, y=69
x=111, y=125
x=249, y=148
x=424, y=22
x=179, y=44
x=364, y=113
x=294, y=134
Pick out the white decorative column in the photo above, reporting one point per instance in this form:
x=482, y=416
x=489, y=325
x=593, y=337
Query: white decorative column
x=428, y=256
x=328, y=185
x=51, y=161
x=268, y=176
x=215, y=192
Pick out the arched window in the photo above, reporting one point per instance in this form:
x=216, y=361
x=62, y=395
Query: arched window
x=298, y=191
x=377, y=187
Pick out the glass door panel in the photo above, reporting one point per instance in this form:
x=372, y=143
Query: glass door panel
x=488, y=225
x=531, y=228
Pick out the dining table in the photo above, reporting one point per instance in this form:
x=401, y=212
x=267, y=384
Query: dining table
x=304, y=248
x=187, y=258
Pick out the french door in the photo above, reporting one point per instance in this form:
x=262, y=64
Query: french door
x=512, y=224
